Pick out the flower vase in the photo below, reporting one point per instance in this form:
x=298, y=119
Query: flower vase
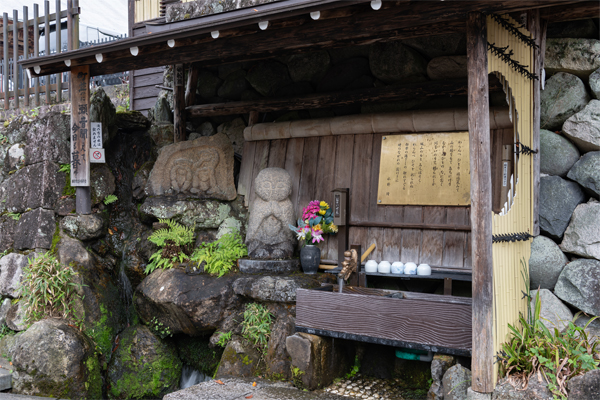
x=310, y=257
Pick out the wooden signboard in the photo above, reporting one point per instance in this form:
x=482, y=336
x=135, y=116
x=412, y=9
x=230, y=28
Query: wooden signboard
x=80, y=126
x=425, y=169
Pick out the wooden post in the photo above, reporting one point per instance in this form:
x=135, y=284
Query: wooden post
x=36, y=50
x=192, y=84
x=5, y=60
x=179, y=103
x=80, y=137
x=15, y=56
x=58, y=50
x=25, y=54
x=47, y=43
x=482, y=362
x=75, y=33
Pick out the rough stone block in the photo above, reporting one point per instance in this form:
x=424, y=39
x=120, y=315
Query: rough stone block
x=83, y=227
x=439, y=365
x=586, y=386
x=11, y=269
x=200, y=168
x=202, y=214
x=43, y=189
x=473, y=395
x=48, y=139
x=575, y=56
x=553, y=313
x=269, y=266
x=35, y=230
x=581, y=236
x=578, y=285
x=456, y=381
x=583, y=128
x=319, y=359
x=7, y=232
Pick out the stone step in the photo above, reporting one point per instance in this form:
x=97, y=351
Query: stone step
x=5, y=375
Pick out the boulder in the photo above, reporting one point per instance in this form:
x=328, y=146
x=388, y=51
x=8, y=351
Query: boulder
x=557, y=154
x=277, y=358
x=82, y=226
x=103, y=110
x=6, y=304
x=233, y=87
x=455, y=382
x=439, y=365
x=102, y=182
x=235, y=132
x=340, y=75
x=536, y=389
x=579, y=57
x=142, y=366
x=473, y=395
x=15, y=317
x=208, y=84
x=268, y=76
x=172, y=298
x=438, y=46
x=393, y=62
x=553, y=313
x=132, y=121
x=338, y=55
x=48, y=139
x=200, y=168
x=44, y=188
x=579, y=284
x=140, y=179
x=203, y=214
x=162, y=134
x=7, y=345
x=563, y=96
x=8, y=226
x=595, y=83
x=11, y=270
x=35, y=230
x=581, y=236
x=593, y=328
x=101, y=304
x=54, y=359
x=239, y=359
x=15, y=157
x=65, y=206
x=545, y=263
x=316, y=360
x=586, y=172
x=586, y=386
x=584, y=28
x=309, y=67
x=447, y=67
x=558, y=199
x=162, y=111
x=583, y=128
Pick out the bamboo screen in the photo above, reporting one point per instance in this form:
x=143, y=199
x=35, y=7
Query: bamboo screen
x=509, y=258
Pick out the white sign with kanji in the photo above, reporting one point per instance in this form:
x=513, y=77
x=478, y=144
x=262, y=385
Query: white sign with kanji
x=96, y=135
x=97, y=156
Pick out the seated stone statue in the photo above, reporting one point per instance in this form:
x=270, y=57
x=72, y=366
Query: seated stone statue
x=268, y=235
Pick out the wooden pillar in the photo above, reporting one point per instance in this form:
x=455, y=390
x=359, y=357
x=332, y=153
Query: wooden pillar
x=80, y=137
x=537, y=27
x=192, y=84
x=5, y=60
x=47, y=44
x=481, y=205
x=57, y=35
x=36, y=50
x=25, y=55
x=179, y=103
x=15, y=56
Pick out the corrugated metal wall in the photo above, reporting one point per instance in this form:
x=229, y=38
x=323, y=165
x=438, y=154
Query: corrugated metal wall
x=512, y=258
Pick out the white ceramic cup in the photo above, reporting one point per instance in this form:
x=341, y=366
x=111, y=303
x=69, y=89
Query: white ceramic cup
x=397, y=267
x=371, y=266
x=423, y=269
x=384, y=267
x=410, y=268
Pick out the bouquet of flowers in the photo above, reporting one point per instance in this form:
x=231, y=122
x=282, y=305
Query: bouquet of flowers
x=317, y=220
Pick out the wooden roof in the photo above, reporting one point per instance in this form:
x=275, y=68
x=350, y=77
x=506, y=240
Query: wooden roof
x=291, y=30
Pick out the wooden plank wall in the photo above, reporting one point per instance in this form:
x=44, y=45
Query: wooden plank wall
x=320, y=164
x=143, y=92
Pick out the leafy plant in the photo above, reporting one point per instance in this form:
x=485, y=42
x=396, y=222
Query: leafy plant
x=355, y=368
x=256, y=326
x=174, y=244
x=535, y=350
x=6, y=331
x=221, y=255
x=66, y=168
x=68, y=190
x=224, y=338
x=47, y=289
x=14, y=215
x=111, y=198
x=160, y=329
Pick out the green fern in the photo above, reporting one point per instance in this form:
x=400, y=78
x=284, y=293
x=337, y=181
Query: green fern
x=111, y=198
x=173, y=242
x=220, y=256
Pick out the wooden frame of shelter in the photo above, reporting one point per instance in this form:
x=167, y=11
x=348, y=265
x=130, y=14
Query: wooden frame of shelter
x=236, y=37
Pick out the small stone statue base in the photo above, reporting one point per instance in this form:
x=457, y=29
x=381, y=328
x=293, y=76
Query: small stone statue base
x=270, y=266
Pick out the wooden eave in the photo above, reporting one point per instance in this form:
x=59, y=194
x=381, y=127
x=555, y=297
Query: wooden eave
x=291, y=30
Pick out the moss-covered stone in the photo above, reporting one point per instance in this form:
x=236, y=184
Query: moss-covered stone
x=195, y=352
x=142, y=366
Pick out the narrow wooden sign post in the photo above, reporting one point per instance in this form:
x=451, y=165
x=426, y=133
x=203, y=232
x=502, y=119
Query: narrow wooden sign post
x=80, y=138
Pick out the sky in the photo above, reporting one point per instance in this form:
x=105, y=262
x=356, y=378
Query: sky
x=108, y=15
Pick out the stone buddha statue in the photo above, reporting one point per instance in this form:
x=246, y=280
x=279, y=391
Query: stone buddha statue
x=269, y=237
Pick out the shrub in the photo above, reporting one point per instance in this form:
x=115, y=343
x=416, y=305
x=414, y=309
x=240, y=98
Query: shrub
x=221, y=255
x=174, y=242
x=256, y=326
x=47, y=289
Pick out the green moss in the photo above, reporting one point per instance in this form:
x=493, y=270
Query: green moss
x=101, y=332
x=195, y=352
x=55, y=238
x=246, y=360
x=93, y=384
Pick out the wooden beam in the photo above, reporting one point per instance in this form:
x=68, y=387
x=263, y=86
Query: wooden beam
x=482, y=362
x=406, y=225
x=80, y=138
x=319, y=100
x=179, y=103
x=571, y=12
x=192, y=84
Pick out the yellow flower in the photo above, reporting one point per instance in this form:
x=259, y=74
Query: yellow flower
x=333, y=228
x=317, y=227
x=325, y=205
x=322, y=212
